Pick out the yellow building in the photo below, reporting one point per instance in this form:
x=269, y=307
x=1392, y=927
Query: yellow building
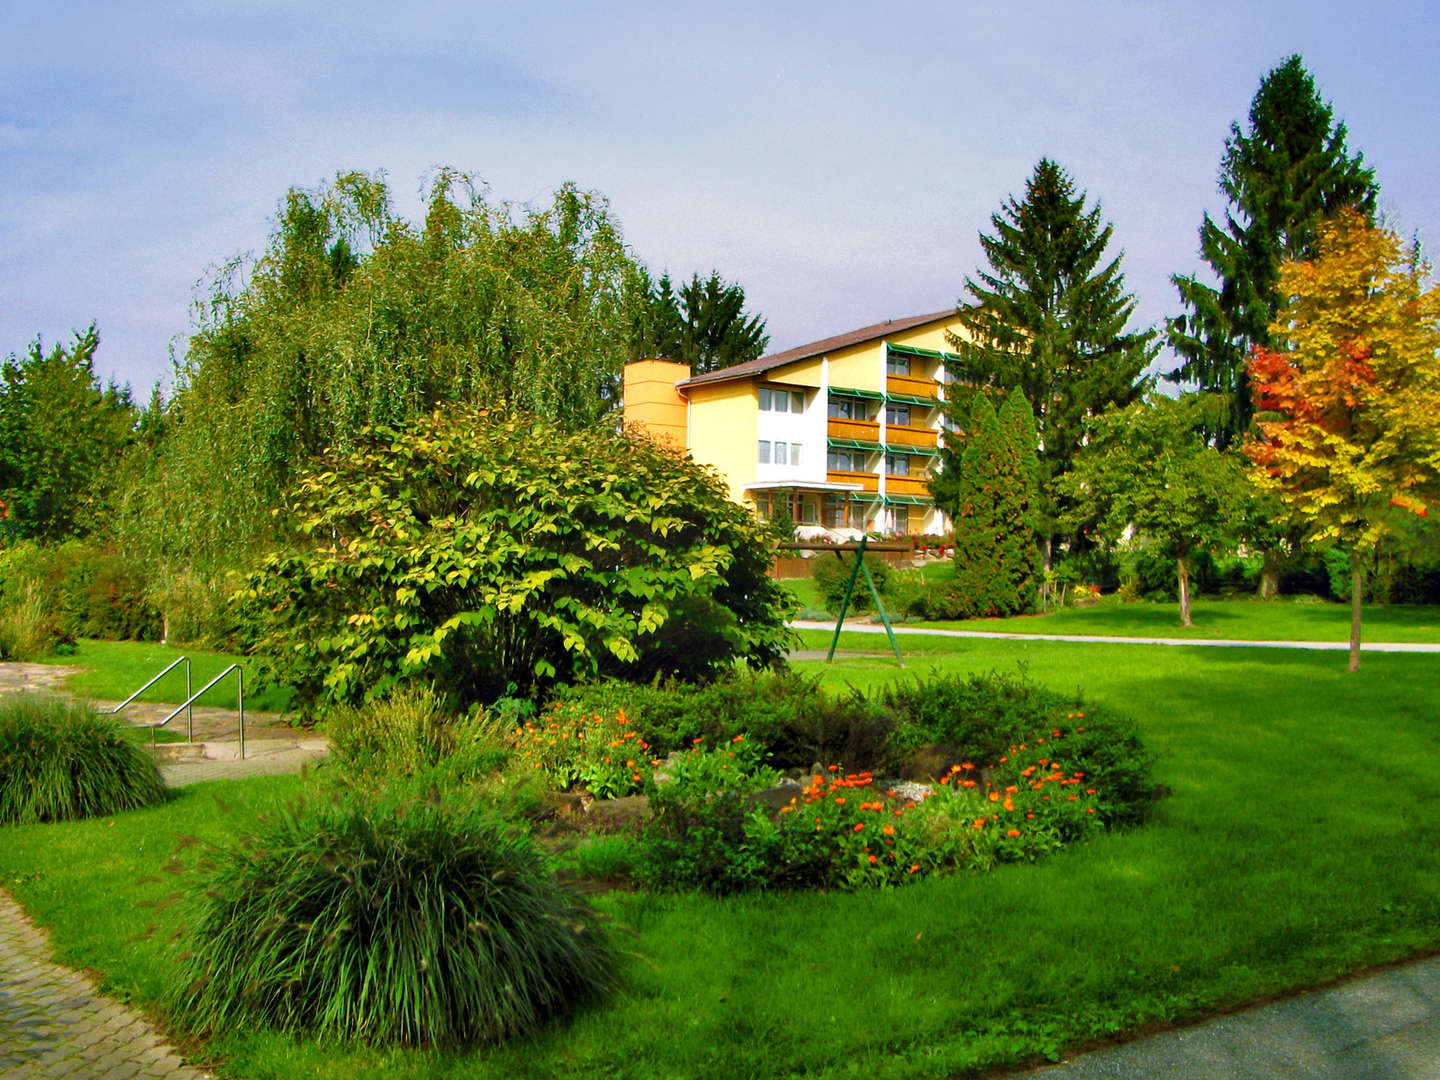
x=845, y=431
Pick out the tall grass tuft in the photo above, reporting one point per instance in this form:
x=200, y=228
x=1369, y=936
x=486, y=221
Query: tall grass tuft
x=61, y=760
x=27, y=632
x=412, y=733
x=422, y=924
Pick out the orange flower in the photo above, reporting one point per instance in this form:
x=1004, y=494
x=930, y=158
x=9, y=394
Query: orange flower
x=873, y=860
x=1090, y=810
x=697, y=742
x=888, y=830
x=1011, y=790
x=979, y=823
x=839, y=800
x=915, y=869
x=630, y=764
x=859, y=825
x=832, y=768
x=1012, y=832
x=1089, y=791
x=786, y=809
x=994, y=796
x=737, y=738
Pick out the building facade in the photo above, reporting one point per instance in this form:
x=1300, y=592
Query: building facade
x=843, y=432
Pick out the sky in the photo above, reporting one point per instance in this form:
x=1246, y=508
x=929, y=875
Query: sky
x=837, y=160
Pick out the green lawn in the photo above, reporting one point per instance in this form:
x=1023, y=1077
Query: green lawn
x=116, y=669
x=1301, y=843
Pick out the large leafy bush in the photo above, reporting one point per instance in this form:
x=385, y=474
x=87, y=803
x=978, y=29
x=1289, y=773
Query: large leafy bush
x=492, y=555
x=60, y=760
x=428, y=923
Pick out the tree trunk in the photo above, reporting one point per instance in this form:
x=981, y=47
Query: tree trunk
x=1182, y=571
x=1270, y=573
x=1357, y=588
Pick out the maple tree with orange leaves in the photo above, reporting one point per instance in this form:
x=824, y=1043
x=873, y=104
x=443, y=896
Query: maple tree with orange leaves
x=1348, y=400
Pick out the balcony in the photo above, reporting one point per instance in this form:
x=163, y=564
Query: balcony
x=911, y=386
x=867, y=481
x=906, y=485
x=859, y=430
x=895, y=435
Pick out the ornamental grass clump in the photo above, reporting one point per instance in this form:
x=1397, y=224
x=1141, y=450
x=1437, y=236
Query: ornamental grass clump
x=61, y=760
x=427, y=924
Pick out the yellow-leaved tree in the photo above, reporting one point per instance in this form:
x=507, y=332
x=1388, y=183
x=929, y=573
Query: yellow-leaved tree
x=1348, y=400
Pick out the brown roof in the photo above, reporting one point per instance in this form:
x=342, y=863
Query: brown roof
x=816, y=348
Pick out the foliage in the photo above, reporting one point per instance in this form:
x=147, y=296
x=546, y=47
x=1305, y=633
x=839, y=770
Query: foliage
x=354, y=317
x=27, y=629
x=60, y=435
x=60, y=760
x=995, y=556
x=412, y=734
x=417, y=924
x=1151, y=467
x=832, y=573
x=89, y=588
x=493, y=556
x=793, y=718
x=1281, y=176
x=703, y=324
x=1351, y=393
x=1048, y=318
x=598, y=751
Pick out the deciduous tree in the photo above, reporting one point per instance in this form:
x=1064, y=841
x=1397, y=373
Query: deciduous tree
x=1151, y=467
x=1349, y=397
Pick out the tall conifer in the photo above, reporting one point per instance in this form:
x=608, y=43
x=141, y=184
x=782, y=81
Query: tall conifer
x=1281, y=176
x=1048, y=317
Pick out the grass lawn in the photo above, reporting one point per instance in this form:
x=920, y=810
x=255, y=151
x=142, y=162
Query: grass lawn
x=1301, y=843
x=116, y=669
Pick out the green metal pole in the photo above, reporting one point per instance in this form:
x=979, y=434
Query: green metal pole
x=881, y=609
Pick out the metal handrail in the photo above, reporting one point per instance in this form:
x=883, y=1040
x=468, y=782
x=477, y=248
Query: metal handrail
x=240, y=701
x=190, y=716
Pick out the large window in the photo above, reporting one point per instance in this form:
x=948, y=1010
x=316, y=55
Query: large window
x=786, y=401
x=899, y=415
x=896, y=364
x=845, y=461
x=897, y=464
x=838, y=507
x=764, y=455
x=900, y=515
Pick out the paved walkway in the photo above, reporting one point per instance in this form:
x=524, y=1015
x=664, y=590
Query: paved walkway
x=1380, y=1027
x=1097, y=639
x=54, y=1025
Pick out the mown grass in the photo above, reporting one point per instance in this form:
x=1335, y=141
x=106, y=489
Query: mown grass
x=116, y=669
x=1301, y=842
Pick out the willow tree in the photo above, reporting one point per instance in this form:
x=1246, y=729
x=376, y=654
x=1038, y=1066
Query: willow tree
x=354, y=317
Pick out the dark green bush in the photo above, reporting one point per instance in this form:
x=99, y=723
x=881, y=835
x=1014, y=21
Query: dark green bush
x=60, y=760
x=832, y=574
x=424, y=924
x=88, y=590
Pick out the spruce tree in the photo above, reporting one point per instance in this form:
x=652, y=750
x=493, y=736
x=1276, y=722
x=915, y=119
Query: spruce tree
x=1284, y=174
x=703, y=324
x=1048, y=317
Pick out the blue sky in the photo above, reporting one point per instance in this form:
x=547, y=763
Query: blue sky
x=838, y=160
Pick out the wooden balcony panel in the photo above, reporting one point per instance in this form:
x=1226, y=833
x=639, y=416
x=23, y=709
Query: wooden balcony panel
x=909, y=384
x=907, y=485
x=911, y=436
x=867, y=481
x=863, y=430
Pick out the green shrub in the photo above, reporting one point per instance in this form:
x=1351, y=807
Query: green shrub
x=497, y=557
x=60, y=760
x=413, y=734
x=27, y=630
x=422, y=924
x=831, y=576
x=87, y=589
x=792, y=716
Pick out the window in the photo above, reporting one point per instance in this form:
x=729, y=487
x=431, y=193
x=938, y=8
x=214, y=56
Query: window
x=809, y=510
x=901, y=517
x=780, y=455
x=896, y=364
x=845, y=461
x=794, y=453
x=772, y=400
x=897, y=464
x=898, y=415
x=764, y=458
x=843, y=408
x=836, y=507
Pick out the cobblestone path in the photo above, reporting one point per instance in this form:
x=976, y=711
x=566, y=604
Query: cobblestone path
x=55, y=1026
